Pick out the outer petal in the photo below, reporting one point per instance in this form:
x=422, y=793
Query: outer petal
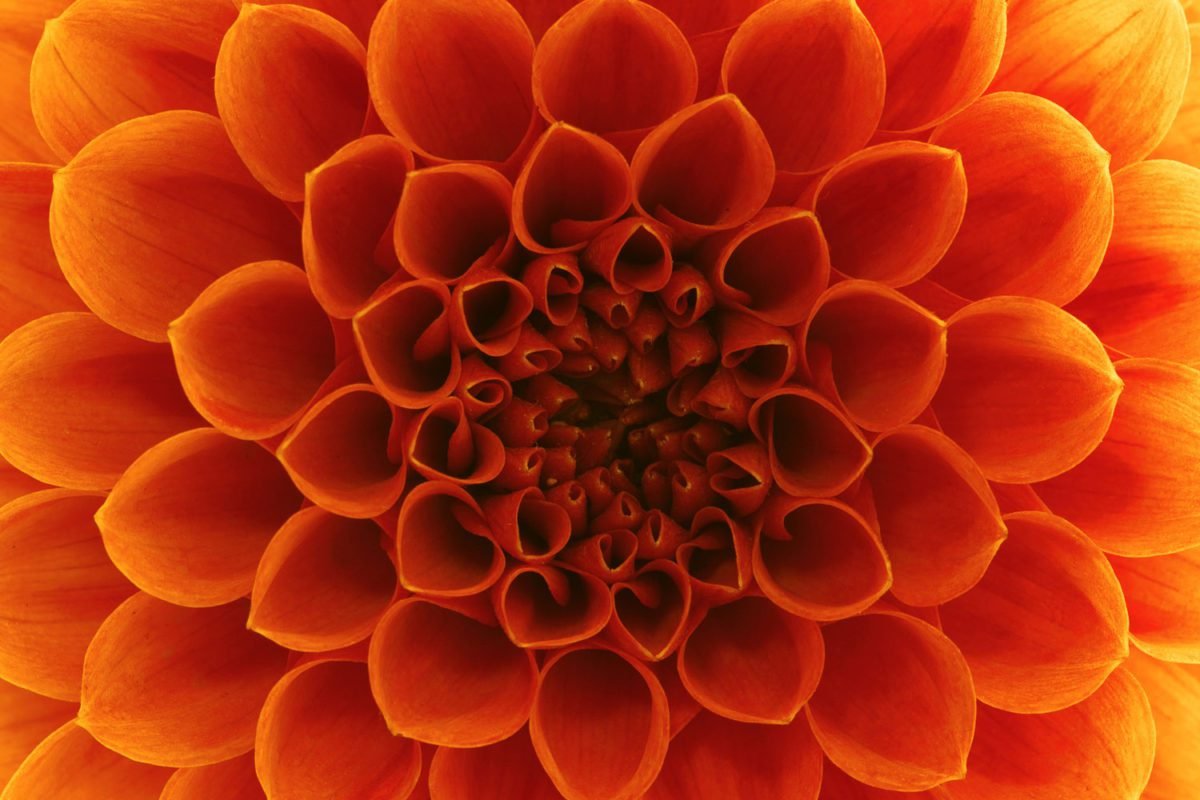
x=25, y=720
x=357, y=15
x=1182, y=142
x=14, y=483
x=837, y=785
x=1164, y=606
x=651, y=610
x=1174, y=693
x=23, y=24
x=229, y=780
x=506, y=769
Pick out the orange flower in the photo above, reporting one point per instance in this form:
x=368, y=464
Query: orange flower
x=599, y=400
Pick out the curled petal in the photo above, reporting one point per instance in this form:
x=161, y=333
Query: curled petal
x=1029, y=391
x=1164, y=608
x=599, y=725
x=177, y=686
x=906, y=727
x=549, y=606
x=488, y=310
x=482, y=390
x=447, y=679
x=25, y=720
x=608, y=555
x=181, y=524
x=631, y=255
x=1174, y=694
x=506, y=769
x=1046, y=624
x=81, y=400
x=528, y=526
x=444, y=543
x=442, y=444
x=741, y=475
x=230, y=780
x=812, y=74
x=760, y=356
x=150, y=212
x=555, y=283
x=452, y=82
x=686, y=298
x=651, y=610
x=320, y=735
x=1040, y=208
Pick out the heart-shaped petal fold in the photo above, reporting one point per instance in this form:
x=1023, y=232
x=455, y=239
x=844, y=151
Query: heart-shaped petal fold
x=487, y=312
x=506, y=769
x=442, y=444
x=527, y=525
x=444, y=543
x=631, y=255
x=230, y=780
x=1164, y=608
x=760, y=356
x=651, y=610
x=550, y=606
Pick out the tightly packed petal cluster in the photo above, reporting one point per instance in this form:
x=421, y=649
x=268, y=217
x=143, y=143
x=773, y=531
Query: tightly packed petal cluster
x=601, y=400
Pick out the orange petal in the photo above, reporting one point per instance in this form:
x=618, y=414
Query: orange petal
x=320, y=735
x=554, y=282
x=442, y=444
x=357, y=15
x=291, y=88
x=906, y=727
x=648, y=69
x=229, y=780
x=550, y=606
x=651, y=610
x=1182, y=142
x=322, y=583
x=1029, y=391
x=25, y=719
x=837, y=785
x=14, y=483
x=444, y=678
x=1174, y=693
x=1120, y=70
x=539, y=15
x=252, y=349
x=708, y=168
x=890, y=212
x=760, y=356
x=812, y=74
x=177, y=686
x=444, y=544
x=23, y=26
x=56, y=587
x=81, y=401
x=940, y=56
x=70, y=765
x=937, y=516
x=721, y=662
x=1040, y=208
x=506, y=769
x=1046, y=624
x=599, y=725
x=741, y=475
x=1135, y=495
x=453, y=82
x=488, y=310
x=103, y=62
x=633, y=255
x=1164, y=606
x=1100, y=748
x=181, y=525
x=527, y=525
x=149, y=213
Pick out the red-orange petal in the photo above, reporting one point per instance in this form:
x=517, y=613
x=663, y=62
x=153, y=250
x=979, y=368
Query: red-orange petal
x=444, y=543
x=527, y=525
x=551, y=606
x=442, y=444
x=906, y=727
x=1164, y=607
x=633, y=255
x=177, y=686
x=1029, y=391
x=487, y=312
x=1174, y=693
x=651, y=610
x=506, y=769
x=26, y=719
x=229, y=780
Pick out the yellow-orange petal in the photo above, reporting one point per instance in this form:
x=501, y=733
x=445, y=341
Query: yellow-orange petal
x=599, y=725
x=444, y=542
x=150, y=212
x=23, y=25
x=103, y=62
x=452, y=82
x=444, y=678
x=81, y=400
x=1174, y=694
x=228, y=780
x=506, y=769
x=321, y=736
x=1164, y=607
x=896, y=707
x=177, y=686
x=56, y=587
x=14, y=483
x=322, y=583
x=1182, y=141
x=1135, y=494
x=1029, y=390
x=181, y=524
x=26, y=719
x=1047, y=623
x=1120, y=69
x=1100, y=748
x=1040, y=206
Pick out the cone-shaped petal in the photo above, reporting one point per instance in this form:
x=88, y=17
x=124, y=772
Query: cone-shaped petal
x=23, y=25
x=1174, y=693
x=760, y=356
x=177, y=686
x=1040, y=207
x=482, y=390
x=81, y=400
x=442, y=444
x=1164, y=609
x=812, y=74
x=1135, y=495
x=506, y=769
x=1120, y=69
x=549, y=606
x=487, y=312
x=554, y=283
x=320, y=735
x=444, y=544
x=25, y=720
x=741, y=475
x=687, y=296
x=443, y=678
x=609, y=555
x=453, y=81
x=1029, y=391
x=651, y=610
x=599, y=725
x=230, y=780
x=188, y=520
x=906, y=727
x=937, y=517
x=528, y=526
x=631, y=255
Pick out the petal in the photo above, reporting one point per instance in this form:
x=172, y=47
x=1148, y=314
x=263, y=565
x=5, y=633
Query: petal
x=149, y=213
x=23, y=26
x=837, y=785
x=14, y=483
x=717, y=556
x=550, y=606
x=554, y=282
x=488, y=310
x=81, y=401
x=320, y=735
x=1135, y=494
x=444, y=544
x=291, y=88
x=25, y=720
x=633, y=255
x=442, y=444
x=599, y=725
x=695, y=19
x=1040, y=209
x=907, y=727
x=721, y=662
x=357, y=15
x=1164, y=607
x=812, y=74
x=1182, y=142
x=1029, y=391
x=56, y=587
x=741, y=475
x=446, y=679
x=229, y=780
x=1046, y=624
x=651, y=610
x=890, y=212
x=937, y=516
x=506, y=769
x=182, y=526
x=527, y=525
x=1174, y=693
x=452, y=82
x=1102, y=748
x=177, y=686
x=1120, y=70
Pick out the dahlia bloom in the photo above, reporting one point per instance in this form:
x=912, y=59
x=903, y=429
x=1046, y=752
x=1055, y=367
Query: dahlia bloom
x=601, y=400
